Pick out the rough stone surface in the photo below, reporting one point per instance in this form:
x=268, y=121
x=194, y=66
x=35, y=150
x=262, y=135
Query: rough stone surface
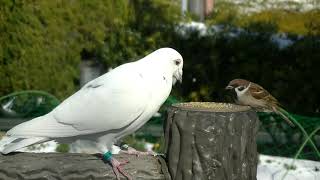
x=65, y=166
x=211, y=142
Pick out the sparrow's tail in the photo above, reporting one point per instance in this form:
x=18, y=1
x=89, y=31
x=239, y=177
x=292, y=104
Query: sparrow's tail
x=9, y=144
x=280, y=112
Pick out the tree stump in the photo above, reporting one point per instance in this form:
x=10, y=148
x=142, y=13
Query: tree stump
x=211, y=141
x=67, y=166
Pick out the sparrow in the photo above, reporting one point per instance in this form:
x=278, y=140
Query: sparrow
x=252, y=94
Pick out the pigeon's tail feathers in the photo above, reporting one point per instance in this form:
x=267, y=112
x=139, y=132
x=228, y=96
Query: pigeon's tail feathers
x=9, y=144
x=44, y=126
x=5, y=141
x=278, y=111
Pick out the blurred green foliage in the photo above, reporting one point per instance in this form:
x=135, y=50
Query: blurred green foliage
x=289, y=73
x=42, y=42
x=278, y=138
x=287, y=21
x=151, y=26
x=63, y=148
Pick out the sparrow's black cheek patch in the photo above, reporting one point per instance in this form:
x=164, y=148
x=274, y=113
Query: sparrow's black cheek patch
x=230, y=96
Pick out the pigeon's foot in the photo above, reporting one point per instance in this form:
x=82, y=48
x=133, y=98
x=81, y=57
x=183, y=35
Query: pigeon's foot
x=116, y=165
x=117, y=168
x=132, y=151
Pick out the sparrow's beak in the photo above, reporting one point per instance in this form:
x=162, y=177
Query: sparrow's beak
x=229, y=87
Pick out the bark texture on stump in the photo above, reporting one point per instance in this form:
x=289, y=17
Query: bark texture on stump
x=211, y=141
x=65, y=166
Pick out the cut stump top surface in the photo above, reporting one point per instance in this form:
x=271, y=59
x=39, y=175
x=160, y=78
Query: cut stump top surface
x=211, y=107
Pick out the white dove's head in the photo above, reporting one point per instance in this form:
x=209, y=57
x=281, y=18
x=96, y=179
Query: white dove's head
x=169, y=59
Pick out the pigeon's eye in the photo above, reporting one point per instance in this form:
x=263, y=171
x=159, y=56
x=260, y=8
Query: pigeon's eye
x=177, y=62
x=240, y=88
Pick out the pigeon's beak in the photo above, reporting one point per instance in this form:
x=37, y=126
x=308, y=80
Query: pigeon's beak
x=229, y=87
x=179, y=78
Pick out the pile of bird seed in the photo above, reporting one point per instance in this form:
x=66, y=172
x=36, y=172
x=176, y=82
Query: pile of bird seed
x=212, y=106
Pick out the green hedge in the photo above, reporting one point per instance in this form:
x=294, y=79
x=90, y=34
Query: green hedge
x=43, y=42
x=151, y=27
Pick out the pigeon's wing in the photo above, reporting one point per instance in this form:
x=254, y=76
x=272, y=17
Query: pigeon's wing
x=110, y=102
x=260, y=93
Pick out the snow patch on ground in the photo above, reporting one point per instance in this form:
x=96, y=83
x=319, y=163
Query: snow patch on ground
x=273, y=168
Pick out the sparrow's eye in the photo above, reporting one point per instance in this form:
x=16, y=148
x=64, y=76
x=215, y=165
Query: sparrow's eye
x=240, y=88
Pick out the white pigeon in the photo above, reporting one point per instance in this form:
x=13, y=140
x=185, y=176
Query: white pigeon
x=107, y=108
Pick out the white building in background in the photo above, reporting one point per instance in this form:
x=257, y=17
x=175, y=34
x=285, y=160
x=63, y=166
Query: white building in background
x=201, y=8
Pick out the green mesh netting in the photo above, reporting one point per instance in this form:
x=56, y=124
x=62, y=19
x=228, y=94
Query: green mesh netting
x=18, y=107
x=277, y=138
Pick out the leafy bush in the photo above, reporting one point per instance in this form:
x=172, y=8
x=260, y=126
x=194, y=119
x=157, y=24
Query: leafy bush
x=145, y=33
x=286, y=21
x=42, y=42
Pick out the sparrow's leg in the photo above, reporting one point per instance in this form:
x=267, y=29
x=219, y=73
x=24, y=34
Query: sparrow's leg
x=129, y=150
x=116, y=165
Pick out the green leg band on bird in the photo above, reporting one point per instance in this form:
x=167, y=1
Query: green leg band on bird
x=107, y=156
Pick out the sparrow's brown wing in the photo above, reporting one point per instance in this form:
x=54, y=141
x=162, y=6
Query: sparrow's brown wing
x=261, y=94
